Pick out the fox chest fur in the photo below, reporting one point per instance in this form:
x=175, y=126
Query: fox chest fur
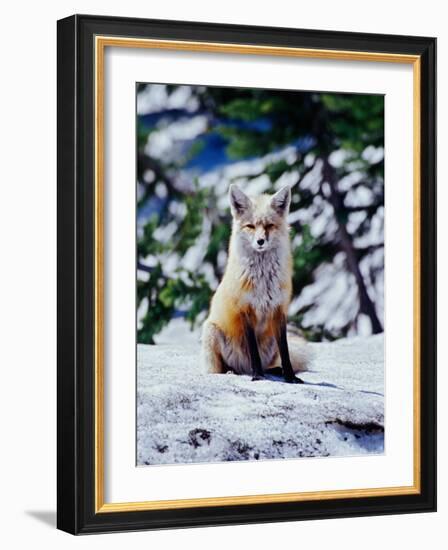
x=265, y=283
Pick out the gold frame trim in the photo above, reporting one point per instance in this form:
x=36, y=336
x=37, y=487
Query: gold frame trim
x=101, y=42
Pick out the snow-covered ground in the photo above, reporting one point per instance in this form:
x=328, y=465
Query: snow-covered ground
x=185, y=416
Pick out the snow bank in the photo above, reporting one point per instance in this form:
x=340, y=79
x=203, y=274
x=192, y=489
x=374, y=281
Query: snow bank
x=186, y=416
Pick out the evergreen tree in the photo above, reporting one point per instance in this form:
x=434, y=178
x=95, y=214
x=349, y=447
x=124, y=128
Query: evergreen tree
x=194, y=141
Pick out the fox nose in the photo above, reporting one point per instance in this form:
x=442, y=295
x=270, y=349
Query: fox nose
x=260, y=242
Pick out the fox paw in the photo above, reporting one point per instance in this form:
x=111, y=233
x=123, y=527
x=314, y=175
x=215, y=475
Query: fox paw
x=294, y=380
x=258, y=377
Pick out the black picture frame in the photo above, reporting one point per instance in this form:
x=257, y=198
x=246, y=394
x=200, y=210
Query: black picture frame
x=76, y=255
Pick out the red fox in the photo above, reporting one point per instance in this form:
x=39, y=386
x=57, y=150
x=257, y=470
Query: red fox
x=245, y=331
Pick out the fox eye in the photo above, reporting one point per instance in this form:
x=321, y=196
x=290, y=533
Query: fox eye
x=249, y=226
x=269, y=226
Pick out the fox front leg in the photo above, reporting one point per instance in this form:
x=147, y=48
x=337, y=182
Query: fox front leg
x=282, y=342
x=257, y=369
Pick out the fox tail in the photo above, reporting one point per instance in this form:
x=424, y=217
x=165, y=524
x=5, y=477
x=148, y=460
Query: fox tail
x=299, y=352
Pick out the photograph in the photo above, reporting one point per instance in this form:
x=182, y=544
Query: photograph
x=246, y=274
x=259, y=274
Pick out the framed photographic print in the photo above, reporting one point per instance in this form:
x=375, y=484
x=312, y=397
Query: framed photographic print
x=246, y=274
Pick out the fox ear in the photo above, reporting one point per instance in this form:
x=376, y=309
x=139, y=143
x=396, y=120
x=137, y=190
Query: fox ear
x=281, y=200
x=239, y=201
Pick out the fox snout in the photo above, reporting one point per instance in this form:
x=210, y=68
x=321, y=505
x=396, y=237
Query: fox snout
x=260, y=239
